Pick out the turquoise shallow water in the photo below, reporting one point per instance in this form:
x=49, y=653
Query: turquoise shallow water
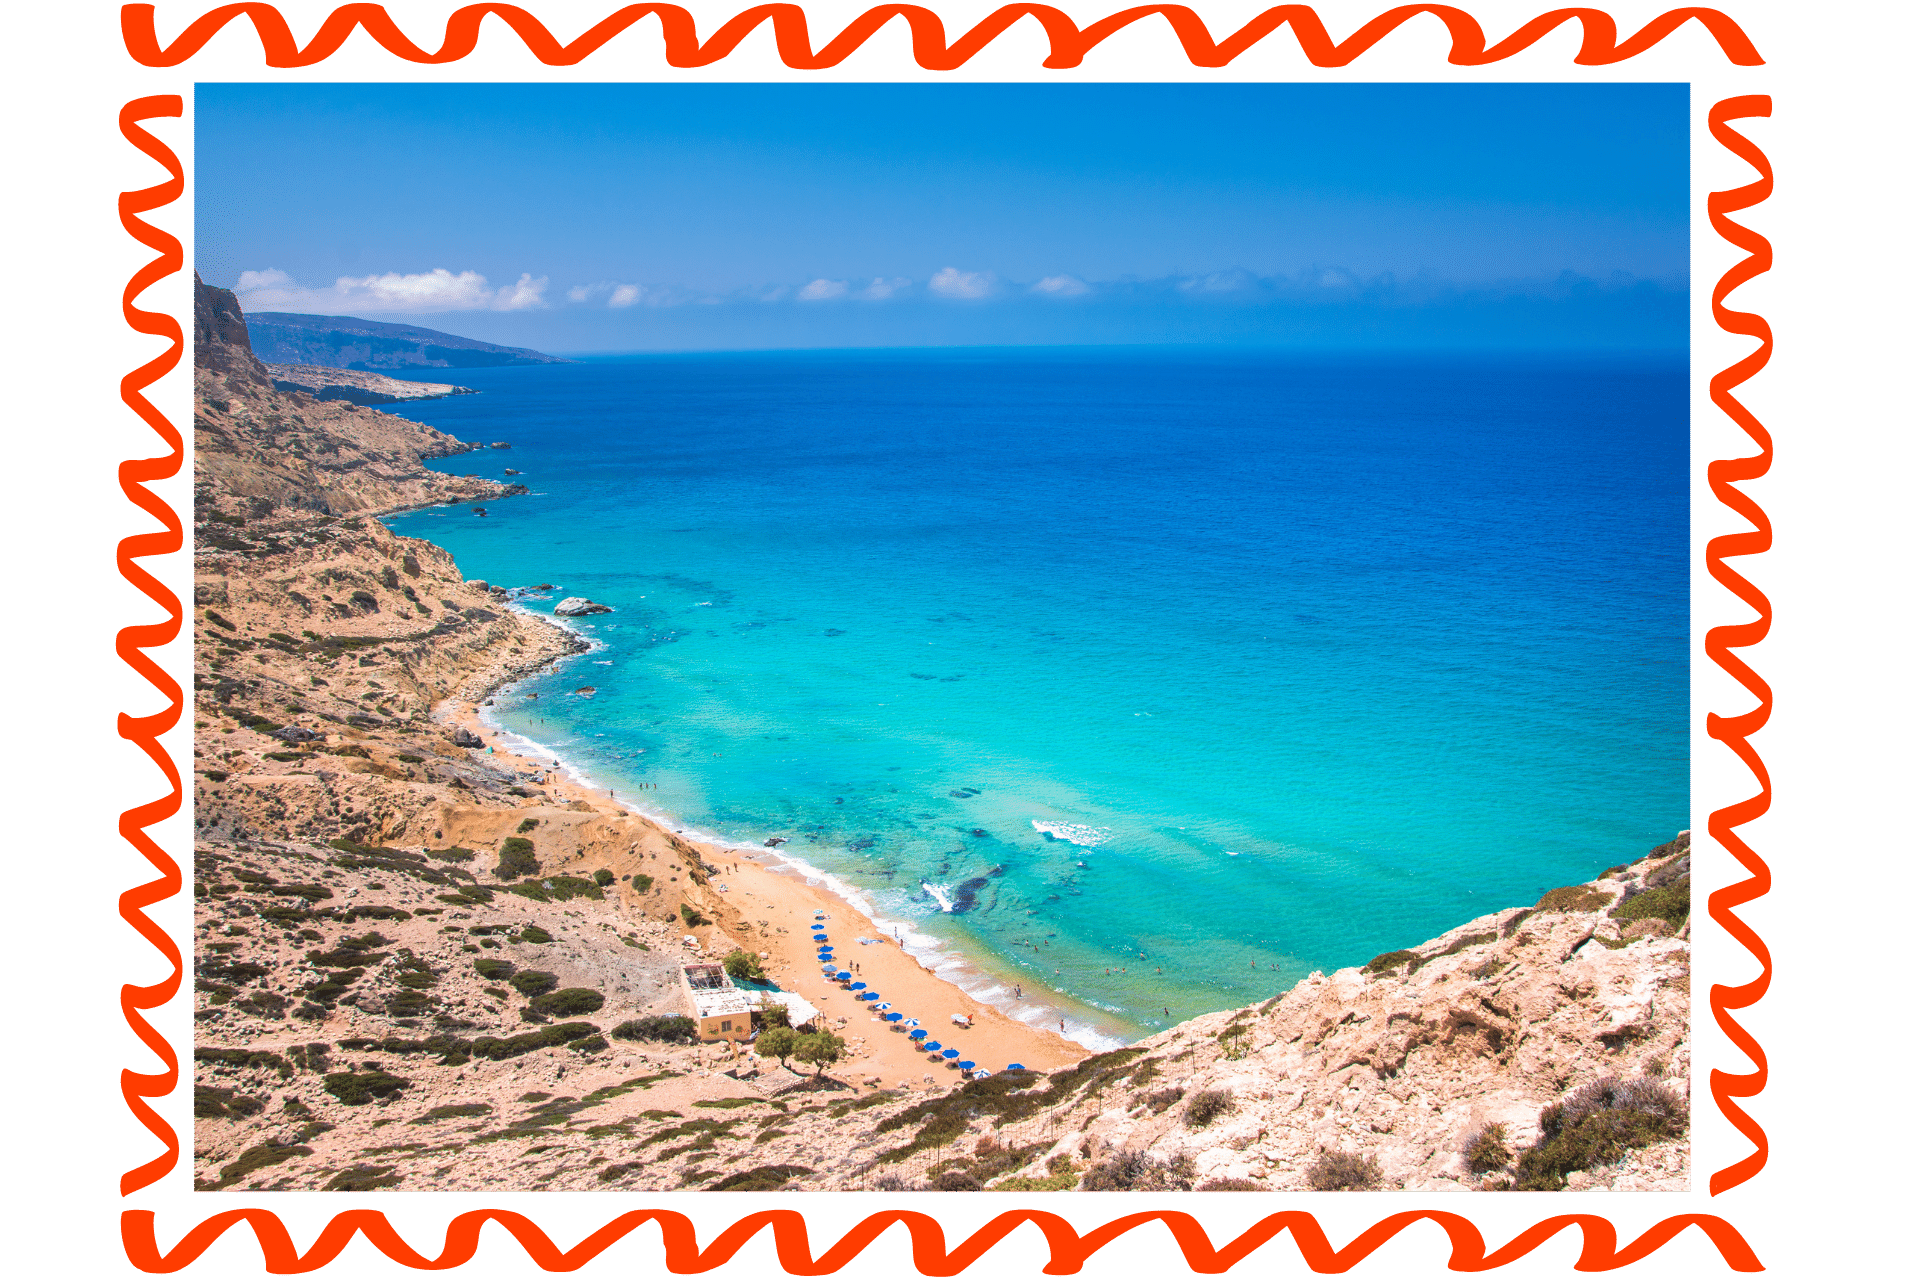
x=1176, y=674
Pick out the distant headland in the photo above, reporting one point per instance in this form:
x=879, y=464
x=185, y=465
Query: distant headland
x=346, y=342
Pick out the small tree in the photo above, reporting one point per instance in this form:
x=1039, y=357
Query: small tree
x=777, y=1042
x=742, y=965
x=819, y=1050
x=773, y=1013
x=516, y=859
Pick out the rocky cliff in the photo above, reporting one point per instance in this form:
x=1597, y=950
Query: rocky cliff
x=356, y=385
x=260, y=450
x=344, y=342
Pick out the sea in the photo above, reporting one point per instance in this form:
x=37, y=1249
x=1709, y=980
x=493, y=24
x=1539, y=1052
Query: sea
x=1140, y=682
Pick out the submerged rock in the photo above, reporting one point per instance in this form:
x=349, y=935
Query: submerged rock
x=579, y=606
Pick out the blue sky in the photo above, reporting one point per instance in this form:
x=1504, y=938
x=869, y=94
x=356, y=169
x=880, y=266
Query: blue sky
x=664, y=217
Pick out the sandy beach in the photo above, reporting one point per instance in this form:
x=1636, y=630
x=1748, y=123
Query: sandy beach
x=760, y=902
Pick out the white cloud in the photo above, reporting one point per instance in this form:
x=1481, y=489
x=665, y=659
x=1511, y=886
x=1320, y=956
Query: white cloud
x=419, y=292
x=951, y=282
x=624, y=295
x=821, y=290
x=1232, y=281
x=882, y=289
x=1061, y=286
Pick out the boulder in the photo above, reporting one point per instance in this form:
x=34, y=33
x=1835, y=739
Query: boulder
x=579, y=606
x=499, y=444
x=467, y=738
x=295, y=733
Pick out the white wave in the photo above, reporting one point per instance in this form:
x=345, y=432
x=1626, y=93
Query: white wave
x=1073, y=832
x=946, y=903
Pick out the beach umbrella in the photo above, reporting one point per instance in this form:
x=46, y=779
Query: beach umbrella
x=869, y=995
x=931, y=1046
x=819, y=937
x=886, y=1006
x=950, y=1054
x=843, y=975
x=859, y=986
x=964, y=1066
x=1015, y=1066
x=918, y=1033
x=893, y=1017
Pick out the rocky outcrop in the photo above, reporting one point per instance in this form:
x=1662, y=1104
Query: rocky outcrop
x=357, y=386
x=261, y=450
x=579, y=607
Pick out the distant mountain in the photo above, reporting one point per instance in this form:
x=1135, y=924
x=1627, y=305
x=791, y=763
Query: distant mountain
x=345, y=342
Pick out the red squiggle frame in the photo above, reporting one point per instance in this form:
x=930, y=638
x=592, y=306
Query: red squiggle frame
x=1069, y=1250
x=1068, y=43
x=1721, y=641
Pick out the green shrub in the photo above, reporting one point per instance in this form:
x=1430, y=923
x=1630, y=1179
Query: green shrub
x=516, y=859
x=1597, y=1124
x=533, y=982
x=358, y=1089
x=1137, y=1171
x=693, y=918
x=774, y=1014
x=588, y=1044
x=535, y=934
x=742, y=966
x=569, y=1002
x=526, y=825
x=1391, y=960
x=1343, y=1171
x=642, y=883
x=453, y=853
x=256, y=1158
x=363, y=1177
x=767, y=1177
x=603, y=878
x=493, y=970
x=776, y=1042
x=406, y=757
x=1206, y=1106
x=454, y=1111
x=1574, y=897
x=497, y=1049
x=557, y=889
x=665, y=1028
x=1671, y=902
x=1486, y=1148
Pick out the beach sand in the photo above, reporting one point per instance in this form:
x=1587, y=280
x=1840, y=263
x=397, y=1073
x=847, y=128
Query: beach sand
x=762, y=903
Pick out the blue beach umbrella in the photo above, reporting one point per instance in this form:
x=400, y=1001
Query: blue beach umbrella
x=964, y=1066
x=1015, y=1066
x=869, y=995
x=931, y=1046
x=886, y=1006
x=859, y=986
x=950, y=1054
x=819, y=937
x=893, y=1017
x=843, y=975
x=918, y=1033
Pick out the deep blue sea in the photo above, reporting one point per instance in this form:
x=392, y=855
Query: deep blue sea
x=1175, y=673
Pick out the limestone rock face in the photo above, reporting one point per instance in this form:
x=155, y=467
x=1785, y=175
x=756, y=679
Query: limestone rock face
x=579, y=606
x=356, y=386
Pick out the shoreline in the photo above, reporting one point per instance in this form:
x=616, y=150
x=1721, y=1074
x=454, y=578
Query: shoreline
x=915, y=972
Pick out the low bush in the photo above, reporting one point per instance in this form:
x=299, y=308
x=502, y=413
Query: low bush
x=1670, y=902
x=453, y=853
x=356, y=1089
x=569, y=1002
x=692, y=918
x=1137, y=1171
x=1486, y=1148
x=498, y=1048
x=1597, y=1124
x=256, y=1158
x=516, y=859
x=641, y=883
x=1573, y=897
x=535, y=934
x=533, y=982
x=1391, y=960
x=1159, y=1100
x=767, y=1177
x=665, y=1028
x=454, y=1111
x=1231, y=1184
x=363, y=1177
x=1206, y=1106
x=1343, y=1171
x=526, y=825
x=493, y=970
x=954, y=1180
x=603, y=878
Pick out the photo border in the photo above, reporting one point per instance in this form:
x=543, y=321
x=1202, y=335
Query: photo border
x=1069, y=1248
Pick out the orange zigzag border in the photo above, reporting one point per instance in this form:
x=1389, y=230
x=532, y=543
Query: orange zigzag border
x=1735, y=731
x=1069, y=1250
x=1068, y=44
